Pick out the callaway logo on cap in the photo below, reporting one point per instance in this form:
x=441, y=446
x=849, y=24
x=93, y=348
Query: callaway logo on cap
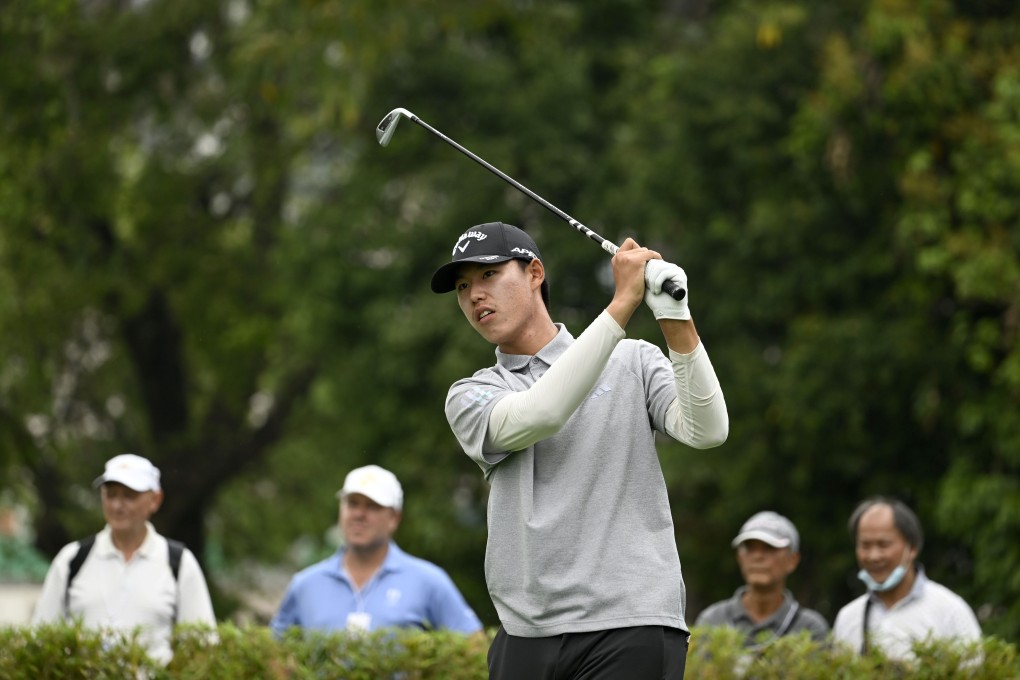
x=489, y=242
x=467, y=236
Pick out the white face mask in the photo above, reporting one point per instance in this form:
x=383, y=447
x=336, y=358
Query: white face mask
x=893, y=580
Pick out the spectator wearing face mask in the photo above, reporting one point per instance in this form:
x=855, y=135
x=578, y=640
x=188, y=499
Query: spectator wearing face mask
x=902, y=605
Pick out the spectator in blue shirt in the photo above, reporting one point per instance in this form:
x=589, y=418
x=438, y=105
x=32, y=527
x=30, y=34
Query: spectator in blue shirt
x=371, y=583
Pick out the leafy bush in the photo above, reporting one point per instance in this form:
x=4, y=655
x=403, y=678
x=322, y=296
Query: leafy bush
x=253, y=652
x=71, y=652
x=718, y=653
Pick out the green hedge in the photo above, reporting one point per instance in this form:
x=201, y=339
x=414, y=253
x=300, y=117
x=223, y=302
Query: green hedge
x=718, y=654
x=68, y=652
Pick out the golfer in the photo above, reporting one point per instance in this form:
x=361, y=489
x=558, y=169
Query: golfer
x=581, y=562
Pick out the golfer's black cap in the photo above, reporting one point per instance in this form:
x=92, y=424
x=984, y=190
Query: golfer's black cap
x=490, y=242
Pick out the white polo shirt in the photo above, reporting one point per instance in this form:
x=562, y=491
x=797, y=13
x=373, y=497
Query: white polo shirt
x=112, y=593
x=930, y=610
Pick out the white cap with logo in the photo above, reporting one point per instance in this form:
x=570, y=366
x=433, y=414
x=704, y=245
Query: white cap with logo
x=376, y=483
x=769, y=527
x=132, y=471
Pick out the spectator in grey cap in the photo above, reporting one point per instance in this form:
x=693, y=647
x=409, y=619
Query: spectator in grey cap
x=768, y=551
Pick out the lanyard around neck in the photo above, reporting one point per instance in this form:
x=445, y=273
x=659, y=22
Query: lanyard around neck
x=864, y=628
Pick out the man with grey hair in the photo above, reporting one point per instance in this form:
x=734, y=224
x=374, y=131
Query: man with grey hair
x=768, y=551
x=902, y=605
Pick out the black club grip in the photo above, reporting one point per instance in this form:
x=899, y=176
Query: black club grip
x=674, y=290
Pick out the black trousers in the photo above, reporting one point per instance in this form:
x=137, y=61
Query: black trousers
x=640, y=653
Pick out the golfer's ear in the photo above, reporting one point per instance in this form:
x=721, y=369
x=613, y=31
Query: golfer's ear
x=537, y=271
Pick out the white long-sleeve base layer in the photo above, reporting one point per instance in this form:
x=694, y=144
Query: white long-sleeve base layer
x=697, y=417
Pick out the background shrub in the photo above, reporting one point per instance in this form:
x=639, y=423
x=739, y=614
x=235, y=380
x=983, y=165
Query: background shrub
x=68, y=652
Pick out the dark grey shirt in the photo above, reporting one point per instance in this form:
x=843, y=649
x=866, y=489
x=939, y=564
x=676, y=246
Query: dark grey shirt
x=788, y=619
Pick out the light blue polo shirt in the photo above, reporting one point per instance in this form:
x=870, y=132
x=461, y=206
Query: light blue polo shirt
x=406, y=592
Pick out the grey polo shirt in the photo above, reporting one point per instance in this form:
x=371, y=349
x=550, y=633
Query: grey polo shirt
x=580, y=530
x=789, y=619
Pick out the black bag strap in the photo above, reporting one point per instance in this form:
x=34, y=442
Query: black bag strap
x=175, y=550
x=74, y=566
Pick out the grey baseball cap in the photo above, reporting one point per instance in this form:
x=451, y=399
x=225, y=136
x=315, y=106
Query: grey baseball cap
x=769, y=527
x=490, y=242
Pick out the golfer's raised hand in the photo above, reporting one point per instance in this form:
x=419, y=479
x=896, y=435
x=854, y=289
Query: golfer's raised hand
x=662, y=304
x=629, y=278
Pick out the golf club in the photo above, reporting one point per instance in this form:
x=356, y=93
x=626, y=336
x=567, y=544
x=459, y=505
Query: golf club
x=384, y=133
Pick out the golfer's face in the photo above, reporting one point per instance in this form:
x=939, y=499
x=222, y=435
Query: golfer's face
x=497, y=300
x=366, y=524
x=125, y=509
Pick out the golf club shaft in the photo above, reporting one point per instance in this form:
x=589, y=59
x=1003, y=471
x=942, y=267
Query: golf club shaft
x=608, y=246
x=669, y=287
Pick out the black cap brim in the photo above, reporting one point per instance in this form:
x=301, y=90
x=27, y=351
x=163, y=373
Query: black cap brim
x=445, y=278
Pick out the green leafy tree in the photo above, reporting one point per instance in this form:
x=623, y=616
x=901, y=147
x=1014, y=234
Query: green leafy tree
x=206, y=258
x=841, y=181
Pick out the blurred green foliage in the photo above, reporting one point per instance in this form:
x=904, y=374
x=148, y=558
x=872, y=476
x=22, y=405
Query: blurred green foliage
x=69, y=651
x=206, y=258
x=719, y=653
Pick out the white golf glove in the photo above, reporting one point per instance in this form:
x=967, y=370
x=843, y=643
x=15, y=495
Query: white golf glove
x=657, y=272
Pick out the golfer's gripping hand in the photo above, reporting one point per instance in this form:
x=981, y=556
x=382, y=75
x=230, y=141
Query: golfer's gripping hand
x=657, y=272
x=629, y=279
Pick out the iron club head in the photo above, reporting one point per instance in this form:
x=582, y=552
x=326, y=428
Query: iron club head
x=384, y=130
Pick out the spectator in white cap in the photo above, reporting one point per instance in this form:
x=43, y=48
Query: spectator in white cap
x=371, y=583
x=768, y=551
x=127, y=576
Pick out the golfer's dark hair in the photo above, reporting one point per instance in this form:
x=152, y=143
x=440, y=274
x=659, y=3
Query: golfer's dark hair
x=904, y=519
x=545, y=285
